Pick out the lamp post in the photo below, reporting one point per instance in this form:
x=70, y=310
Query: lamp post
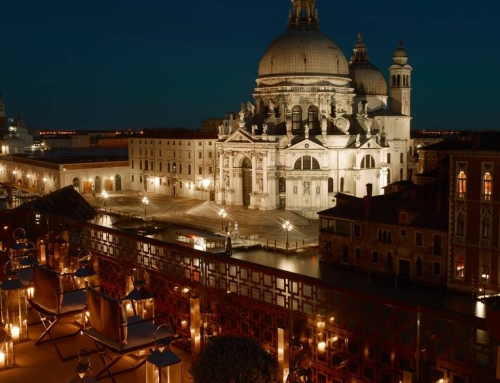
x=222, y=214
x=145, y=202
x=287, y=226
x=105, y=197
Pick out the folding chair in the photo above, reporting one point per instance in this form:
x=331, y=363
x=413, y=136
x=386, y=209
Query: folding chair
x=114, y=333
x=52, y=303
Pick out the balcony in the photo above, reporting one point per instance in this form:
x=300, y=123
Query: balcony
x=485, y=242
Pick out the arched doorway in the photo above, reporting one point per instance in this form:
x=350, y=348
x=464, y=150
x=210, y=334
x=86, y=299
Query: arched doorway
x=98, y=184
x=246, y=167
x=118, y=183
x=76, y=184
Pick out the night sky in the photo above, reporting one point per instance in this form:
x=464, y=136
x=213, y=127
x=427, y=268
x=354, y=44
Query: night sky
x=112, y=64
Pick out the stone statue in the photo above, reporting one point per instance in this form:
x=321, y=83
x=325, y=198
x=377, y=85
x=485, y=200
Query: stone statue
x=221, y=129
x=242, y=112
x=264, y=129
x=306, y=131
x=250, y=108
x=357, y=138
x=271, y=106
x=254, y=128
x=360, y=107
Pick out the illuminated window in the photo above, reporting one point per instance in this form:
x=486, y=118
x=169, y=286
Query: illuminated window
x=485, y=273
x=459, y=268
x=487, y=186
x=462, y=184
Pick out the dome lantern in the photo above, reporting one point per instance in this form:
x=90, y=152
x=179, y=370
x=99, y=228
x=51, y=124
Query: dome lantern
x=303, y=15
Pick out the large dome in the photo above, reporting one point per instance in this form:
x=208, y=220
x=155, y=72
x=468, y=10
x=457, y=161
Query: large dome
x=303, y=52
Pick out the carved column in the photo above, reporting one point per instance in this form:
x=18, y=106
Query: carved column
x=264, y=173
x=254, y=173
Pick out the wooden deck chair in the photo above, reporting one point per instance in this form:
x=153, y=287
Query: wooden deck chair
x=52, y=303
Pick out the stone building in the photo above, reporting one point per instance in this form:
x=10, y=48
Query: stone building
x=403, y=234
x=319, y=124
x=177, y=162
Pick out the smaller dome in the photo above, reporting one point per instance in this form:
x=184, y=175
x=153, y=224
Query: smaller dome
x=400, y=52
x=400, y=56
x=366, y=78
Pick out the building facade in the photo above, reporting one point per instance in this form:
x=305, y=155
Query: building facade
x=475, y=218
x=319, y=124
x=177, y=162
x=43, y=176
x=402, y=234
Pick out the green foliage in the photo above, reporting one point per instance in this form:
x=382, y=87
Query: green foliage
x=232, y=359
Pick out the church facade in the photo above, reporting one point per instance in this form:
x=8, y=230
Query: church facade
x=319, y=124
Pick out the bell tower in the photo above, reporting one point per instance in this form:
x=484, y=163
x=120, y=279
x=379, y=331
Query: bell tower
x=400, y=80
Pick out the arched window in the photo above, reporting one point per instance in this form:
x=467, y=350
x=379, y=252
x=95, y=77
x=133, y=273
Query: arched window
x=313, y=117
x=462, y=184
x=486, y=227
x=461, y=225
x=296, y=117
x=282, y=185
x=367, y=162
x=330, y=185
x=399, y=80
x=393, y=80
x=306, y=163
x=487, y=186
x=380, y=235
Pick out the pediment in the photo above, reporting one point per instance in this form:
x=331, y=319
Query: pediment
x=370, y=144
x=240, y=136
x=306, y=145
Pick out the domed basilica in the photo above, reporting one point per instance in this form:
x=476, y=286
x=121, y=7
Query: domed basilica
x=319, y=124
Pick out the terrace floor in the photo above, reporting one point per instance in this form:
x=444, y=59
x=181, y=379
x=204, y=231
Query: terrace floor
x=41, y=363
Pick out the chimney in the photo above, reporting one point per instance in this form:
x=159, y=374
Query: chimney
x=367, y=200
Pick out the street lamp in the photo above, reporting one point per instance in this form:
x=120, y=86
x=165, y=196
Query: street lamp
x=287, y=226
x=145, y=202
x=222, y=214
x=105, y=196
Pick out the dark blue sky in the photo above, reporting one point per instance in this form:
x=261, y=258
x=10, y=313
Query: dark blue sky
x=116, y=64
